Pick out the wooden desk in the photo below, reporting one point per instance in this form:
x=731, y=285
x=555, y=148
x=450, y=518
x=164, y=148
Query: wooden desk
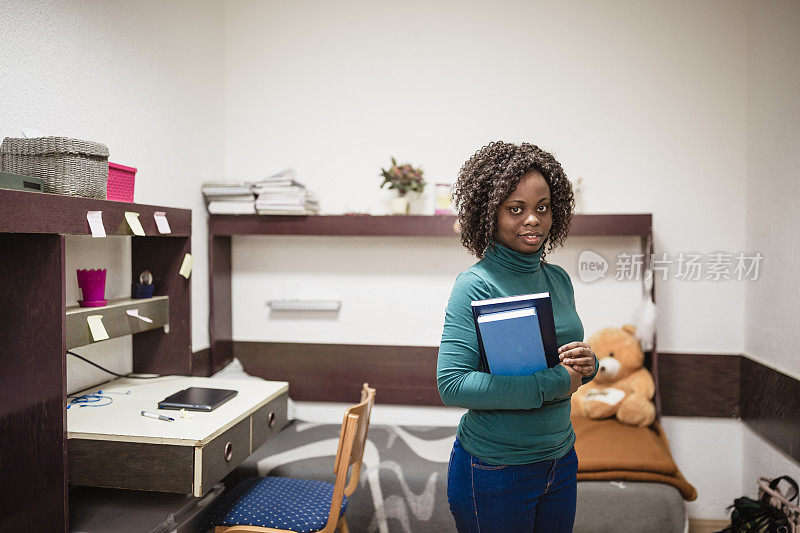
x=114, y=446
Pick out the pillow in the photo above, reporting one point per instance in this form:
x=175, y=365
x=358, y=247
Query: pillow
x=235, y=370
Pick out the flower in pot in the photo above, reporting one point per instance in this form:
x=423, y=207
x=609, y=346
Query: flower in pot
x=402, y=178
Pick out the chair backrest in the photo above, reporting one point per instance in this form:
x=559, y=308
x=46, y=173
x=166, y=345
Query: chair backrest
x=352, y=438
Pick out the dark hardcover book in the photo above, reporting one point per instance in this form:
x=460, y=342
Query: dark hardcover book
x=543, y=313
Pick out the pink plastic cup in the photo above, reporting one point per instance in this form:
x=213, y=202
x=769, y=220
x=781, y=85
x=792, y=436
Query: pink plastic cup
x=93, y=284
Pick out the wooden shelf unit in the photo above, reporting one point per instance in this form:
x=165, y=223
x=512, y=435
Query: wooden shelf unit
x=404, y=374
x=33, y=337
x=28, y=212
x=116, y=320
x=412, y=225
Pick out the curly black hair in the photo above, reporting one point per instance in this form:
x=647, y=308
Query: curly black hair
x=491, y=175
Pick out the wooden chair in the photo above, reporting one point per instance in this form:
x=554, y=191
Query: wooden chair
x=276, y=504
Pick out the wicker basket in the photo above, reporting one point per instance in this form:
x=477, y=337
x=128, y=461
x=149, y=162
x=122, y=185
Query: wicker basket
x=67, y=166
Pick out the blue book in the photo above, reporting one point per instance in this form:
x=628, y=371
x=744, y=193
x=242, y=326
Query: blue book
x=512, y=342
x=528, y=340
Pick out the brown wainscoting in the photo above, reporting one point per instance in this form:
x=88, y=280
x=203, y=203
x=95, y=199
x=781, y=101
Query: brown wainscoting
x=699, y=384
x=771, y=405
x=201, y=363
x=334, y=372
x=703, y=385
x=690, y=384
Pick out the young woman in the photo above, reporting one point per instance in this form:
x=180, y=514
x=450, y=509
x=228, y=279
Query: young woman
x=513, y=466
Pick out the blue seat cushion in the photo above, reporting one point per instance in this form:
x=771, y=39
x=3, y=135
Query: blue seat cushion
x=284, y=503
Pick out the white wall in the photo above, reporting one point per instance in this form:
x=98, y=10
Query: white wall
x=773, y=201
x=773, y=183
x=709, y=453
x=762, y=459
x=393, y=290
x=145, y=79
x=644, y=100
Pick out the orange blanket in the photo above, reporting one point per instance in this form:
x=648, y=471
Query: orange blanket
x=608, y=450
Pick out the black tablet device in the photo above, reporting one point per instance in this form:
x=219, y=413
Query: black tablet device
x=197, y=399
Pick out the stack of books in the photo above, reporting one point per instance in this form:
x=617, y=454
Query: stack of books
x=282, y=194
x=516, y=334
x=229, y=198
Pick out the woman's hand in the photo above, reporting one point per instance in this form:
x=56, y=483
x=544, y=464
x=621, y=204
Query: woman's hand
x=579, y=356
x=574, y=379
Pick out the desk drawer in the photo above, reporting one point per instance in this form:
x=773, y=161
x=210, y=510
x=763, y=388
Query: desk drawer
x=269, y=420
x=217, y=458
x=130, y=465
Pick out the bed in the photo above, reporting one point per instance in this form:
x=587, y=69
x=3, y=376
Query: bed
x=404, y=477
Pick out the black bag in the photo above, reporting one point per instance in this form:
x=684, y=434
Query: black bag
x=762, y=515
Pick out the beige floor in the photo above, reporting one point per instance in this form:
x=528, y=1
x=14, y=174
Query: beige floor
x=706, y=526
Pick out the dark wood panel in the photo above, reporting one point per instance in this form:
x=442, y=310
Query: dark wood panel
x=421, y=225
x=651, y=363
x=689, y=384
x=33, y=481
x=157, y=467
x=412, y=225
x=699, y=384
x=215, y=467
x=275, y=413
x=770, y=404
x=201, y=363
x=219, y=280
x=611, y=224
x=30, y=212
x=335, y=372
x=153, y=351
x=327, y=372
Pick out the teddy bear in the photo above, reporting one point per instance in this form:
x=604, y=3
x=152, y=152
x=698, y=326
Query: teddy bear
x=622, y=386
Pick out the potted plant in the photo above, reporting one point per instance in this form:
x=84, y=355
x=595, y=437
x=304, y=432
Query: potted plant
x=402, y=178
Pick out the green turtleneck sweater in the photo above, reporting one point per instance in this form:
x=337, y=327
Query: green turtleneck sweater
x=511, y=419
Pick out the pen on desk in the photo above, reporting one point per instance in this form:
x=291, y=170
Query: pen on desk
x=157, y=416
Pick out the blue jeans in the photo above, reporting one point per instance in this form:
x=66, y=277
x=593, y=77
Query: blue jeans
x=516, y=498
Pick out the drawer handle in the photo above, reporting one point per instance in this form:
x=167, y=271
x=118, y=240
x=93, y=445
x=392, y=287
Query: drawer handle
x=228, y=452
x=271, y=419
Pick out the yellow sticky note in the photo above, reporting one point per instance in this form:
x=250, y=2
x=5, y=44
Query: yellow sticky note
x=97, y=328
x=133, y=222
x=186, y=267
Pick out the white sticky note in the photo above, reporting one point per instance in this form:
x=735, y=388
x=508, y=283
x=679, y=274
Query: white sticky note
x=97, y=328
x=186, y=267
x=133, y=222
x=135, y=313
x=95, y=219
x=161, y=222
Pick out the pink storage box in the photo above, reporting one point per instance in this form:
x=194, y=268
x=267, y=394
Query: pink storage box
x=120, y=183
